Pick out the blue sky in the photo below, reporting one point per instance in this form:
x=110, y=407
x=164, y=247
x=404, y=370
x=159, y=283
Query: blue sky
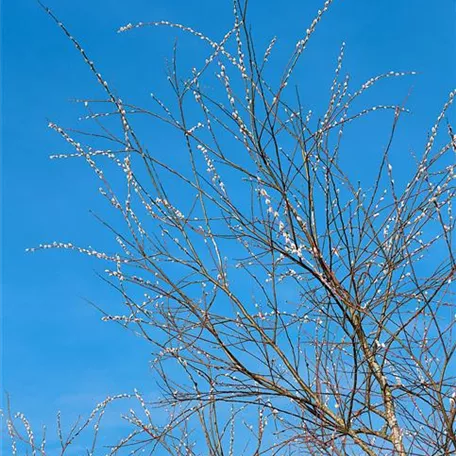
x=57, y=354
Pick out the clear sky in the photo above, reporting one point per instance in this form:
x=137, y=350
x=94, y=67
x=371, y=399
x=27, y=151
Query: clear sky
x=57, y=354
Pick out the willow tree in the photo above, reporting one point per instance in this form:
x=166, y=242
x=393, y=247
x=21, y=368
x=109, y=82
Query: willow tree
x=291, y=308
